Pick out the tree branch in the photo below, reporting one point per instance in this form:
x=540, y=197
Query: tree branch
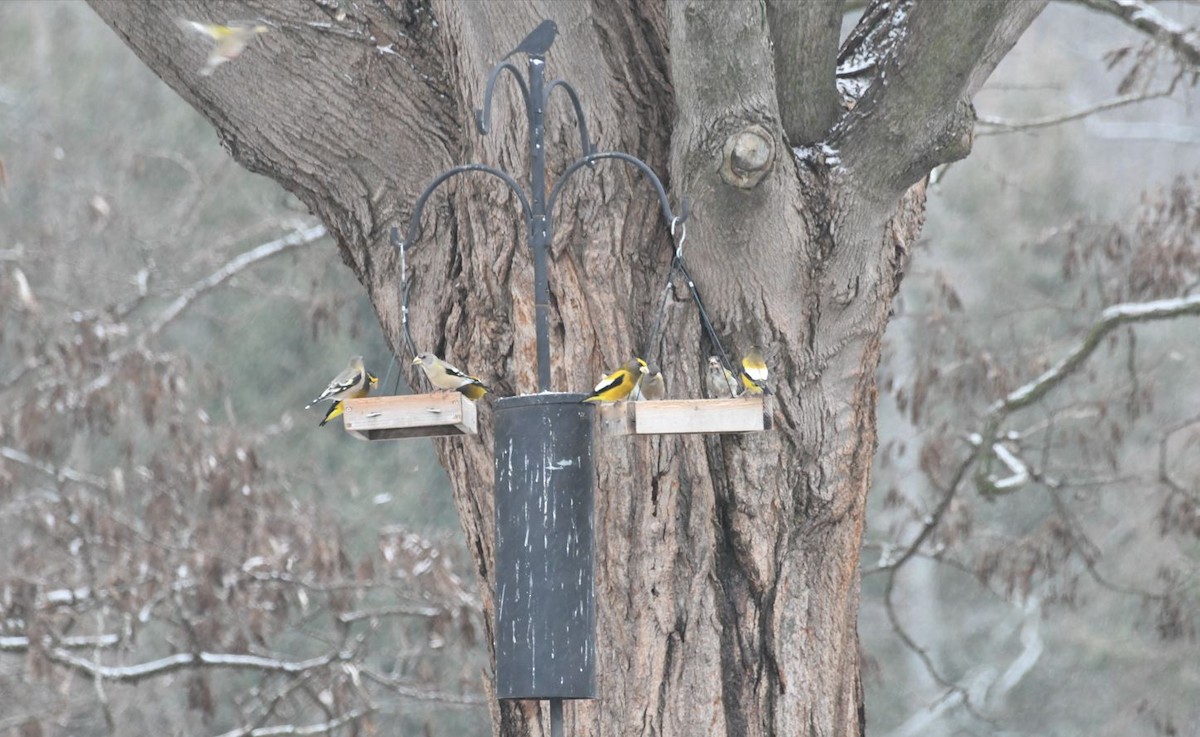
x=62, y=473
x=917, y=114
x=179, y=661
x=200, y=288
x=996, y=126
x=291, y=729
x=805, y=39
x=1145, y=18
x=20, y=644
x=1111, y=319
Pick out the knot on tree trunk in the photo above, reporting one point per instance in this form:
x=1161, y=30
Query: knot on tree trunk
x=749, y=154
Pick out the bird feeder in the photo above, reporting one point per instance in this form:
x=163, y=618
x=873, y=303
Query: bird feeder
x=545, y=628
x=686, y=416
x=545, y=601
x=410, y=416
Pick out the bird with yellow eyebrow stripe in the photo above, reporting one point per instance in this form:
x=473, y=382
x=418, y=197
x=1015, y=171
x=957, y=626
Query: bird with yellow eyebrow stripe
x=754, y=372
x=229, y=40
x=337, y=409
x=354, y=381
x=620, y=383
x=444, y=376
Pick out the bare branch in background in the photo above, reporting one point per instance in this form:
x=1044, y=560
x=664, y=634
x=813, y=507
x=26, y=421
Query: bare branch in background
x=62, y=473
x=1146, y=18
x=999, y=126
x=179, y=661
x=231, y=268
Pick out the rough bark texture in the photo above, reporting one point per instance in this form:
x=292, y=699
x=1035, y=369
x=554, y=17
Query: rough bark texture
x=727, y=581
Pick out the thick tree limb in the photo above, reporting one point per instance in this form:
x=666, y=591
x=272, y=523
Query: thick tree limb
x=918, y=112
x=1145, y=18
x=805, y=40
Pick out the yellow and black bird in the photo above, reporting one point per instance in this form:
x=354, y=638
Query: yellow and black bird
x=353, y=382
x=337, y=409
x=722, y=384
x=229, y=40
x=620, y=383
x=652, y=387
x=754, y=372
x=444, y=376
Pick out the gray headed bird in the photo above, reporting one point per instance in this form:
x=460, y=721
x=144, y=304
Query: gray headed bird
x=652, y=387
x=444, y=376
x=722, y=384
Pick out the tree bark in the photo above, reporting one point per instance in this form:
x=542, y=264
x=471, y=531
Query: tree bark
x=727, y=581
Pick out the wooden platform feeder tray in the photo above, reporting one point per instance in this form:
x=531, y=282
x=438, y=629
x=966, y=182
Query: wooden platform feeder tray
x=677, y=416
x=410, y=416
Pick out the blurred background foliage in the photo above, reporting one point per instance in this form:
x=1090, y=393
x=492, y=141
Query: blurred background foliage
x=1066, y=607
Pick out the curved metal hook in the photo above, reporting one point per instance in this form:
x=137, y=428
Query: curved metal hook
x=589, y=148
x=668, y=215
x=483, y=116
x=415, y=223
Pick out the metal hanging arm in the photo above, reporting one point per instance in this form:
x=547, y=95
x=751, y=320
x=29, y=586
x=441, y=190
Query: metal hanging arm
x=415, y=223
x=414, y=227
x=483, y=116
x=585, y=141
x=669, y=216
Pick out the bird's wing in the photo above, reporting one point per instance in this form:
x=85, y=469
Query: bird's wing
x=343, y=382
x=612, y=381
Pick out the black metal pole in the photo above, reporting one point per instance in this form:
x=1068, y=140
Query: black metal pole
x=556, y=718
x=539, y=230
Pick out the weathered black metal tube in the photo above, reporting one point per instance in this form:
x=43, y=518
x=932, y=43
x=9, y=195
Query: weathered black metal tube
x=545, y=558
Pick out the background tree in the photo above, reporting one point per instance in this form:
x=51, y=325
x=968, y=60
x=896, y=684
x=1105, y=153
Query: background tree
x=730, y=582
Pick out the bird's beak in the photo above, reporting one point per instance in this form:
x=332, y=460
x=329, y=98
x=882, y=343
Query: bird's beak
x=416, y=360
x=373, y=379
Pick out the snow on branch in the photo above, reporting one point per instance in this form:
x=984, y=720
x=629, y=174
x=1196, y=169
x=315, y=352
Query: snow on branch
x=1112, y=318
x=1023, y=396
x=179, y=661
x=325, y=727
x=1142, y=16
x=20, y=644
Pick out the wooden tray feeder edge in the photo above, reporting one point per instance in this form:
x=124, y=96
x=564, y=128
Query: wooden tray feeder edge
x=410, y=416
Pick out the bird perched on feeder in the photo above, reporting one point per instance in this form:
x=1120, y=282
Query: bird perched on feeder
x=353, y=382
x=229, y=40
x=447, y=377
x=652, y=387
x=337, y=409
x=721, y=381
x=754, y=372
x=538, y=42
x=620, y=383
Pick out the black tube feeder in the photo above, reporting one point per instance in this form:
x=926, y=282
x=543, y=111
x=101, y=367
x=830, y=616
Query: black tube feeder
x=545, y=598
x=544, y=496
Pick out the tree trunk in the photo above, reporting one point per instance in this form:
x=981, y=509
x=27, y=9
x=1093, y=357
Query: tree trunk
x=727, y=581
